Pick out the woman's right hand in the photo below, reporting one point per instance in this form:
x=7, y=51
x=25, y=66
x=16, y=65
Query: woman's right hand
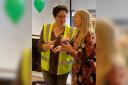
x=68, y=48
x=48, y=45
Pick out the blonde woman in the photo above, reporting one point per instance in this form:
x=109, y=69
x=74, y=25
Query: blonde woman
x=83, y=69
x=110, y=68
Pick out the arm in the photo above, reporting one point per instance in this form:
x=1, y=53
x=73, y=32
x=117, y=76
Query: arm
x=42, y=46
x=41, y=41
x=90, y=46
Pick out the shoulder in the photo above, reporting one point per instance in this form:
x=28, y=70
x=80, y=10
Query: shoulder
x=67, y=26
x=91, y=34
x=49, y=24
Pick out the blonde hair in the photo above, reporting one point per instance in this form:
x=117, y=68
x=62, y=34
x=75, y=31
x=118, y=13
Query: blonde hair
x=107, y=56
x=86, y=26
x=86, y=17
x=106, y=31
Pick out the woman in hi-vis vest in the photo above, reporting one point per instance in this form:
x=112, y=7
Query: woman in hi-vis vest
x=55, y=61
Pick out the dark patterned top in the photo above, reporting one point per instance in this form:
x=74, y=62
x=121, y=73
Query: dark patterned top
x=84, y=68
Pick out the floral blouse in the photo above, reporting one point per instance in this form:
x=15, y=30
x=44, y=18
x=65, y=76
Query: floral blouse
x=84, y=69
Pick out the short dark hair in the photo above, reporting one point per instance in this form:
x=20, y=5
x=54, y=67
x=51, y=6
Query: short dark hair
x=59, y=8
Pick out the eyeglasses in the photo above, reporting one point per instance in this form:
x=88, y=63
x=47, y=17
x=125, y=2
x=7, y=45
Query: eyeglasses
x=61, y=17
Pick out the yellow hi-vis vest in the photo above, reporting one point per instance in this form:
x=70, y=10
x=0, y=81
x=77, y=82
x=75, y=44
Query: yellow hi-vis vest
x=65, y=60
x=26, y=69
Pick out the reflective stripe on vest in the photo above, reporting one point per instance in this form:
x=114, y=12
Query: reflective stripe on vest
x=64, y=61
x=72, y=33
x=47, y=32
x=61, y=63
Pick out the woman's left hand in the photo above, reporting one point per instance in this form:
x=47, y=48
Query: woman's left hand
x=66, y=47
x=57, y=49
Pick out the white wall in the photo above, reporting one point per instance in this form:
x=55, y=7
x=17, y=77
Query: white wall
x=38, y=19
x=112, y=8
x=13, y=38
x=83, y=4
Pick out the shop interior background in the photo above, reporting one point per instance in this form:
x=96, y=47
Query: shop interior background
x=46, y=17
x=14, y=38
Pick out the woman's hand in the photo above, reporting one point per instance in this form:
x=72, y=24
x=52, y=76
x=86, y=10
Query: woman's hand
x=48, y=46
x=68, y=48
x=57, y=49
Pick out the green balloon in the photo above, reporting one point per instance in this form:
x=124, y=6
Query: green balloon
x=15, y=9
x=39, y=5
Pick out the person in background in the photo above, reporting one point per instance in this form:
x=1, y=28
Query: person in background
x=56, y=63
x=123, y=43
x=83, y=50
x=111, y=68
x=24, y=74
